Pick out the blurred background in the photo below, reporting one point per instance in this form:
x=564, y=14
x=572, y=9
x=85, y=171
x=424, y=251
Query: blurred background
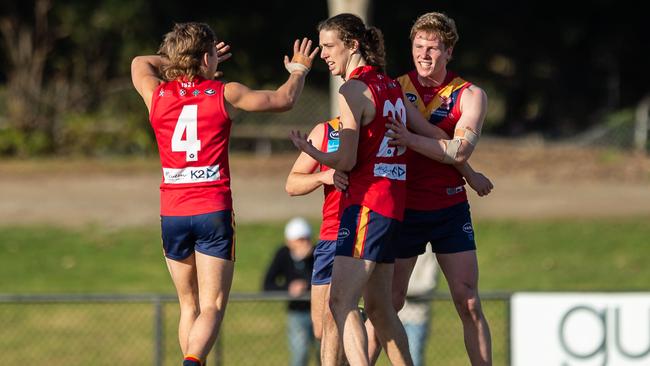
x=81, y=268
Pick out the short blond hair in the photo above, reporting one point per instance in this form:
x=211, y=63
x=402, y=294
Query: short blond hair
x=439, y=24
x=184, y=47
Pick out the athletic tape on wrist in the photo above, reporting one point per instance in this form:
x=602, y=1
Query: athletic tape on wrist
x=451, y=150
x=296, y=66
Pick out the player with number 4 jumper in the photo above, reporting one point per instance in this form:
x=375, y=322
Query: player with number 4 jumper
x=190, y=113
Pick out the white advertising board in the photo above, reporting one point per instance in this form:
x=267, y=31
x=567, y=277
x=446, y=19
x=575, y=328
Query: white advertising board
x=580, y=329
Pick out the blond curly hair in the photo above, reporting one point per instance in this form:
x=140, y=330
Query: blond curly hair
x=439, y=24
x=183, y=48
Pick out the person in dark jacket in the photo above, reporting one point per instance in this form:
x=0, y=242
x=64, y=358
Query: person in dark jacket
x=290, y=271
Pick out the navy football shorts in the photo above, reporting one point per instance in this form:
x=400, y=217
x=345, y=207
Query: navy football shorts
x=212, y=234
x=449, y=230
x=323, y=262
x=365, y=234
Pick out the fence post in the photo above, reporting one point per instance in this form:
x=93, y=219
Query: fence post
x=158, y=327
x=641, y=125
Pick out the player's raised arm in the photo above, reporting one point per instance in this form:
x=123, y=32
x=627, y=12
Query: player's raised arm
x=145, y=76
x=283, y=98
x=303, y=177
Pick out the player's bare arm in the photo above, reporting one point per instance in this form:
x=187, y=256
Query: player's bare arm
x=454, y=151
x=473, y=108
x=303, y=177
x=282, y=99
x=356, y=107
x=421, y=126
x=145, y=76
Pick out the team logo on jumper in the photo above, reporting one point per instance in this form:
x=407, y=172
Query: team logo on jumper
x=196, y=92
x=390, y=171
x=411, y=97
x=468, y=228
x=343, y=233
x=192, y=174
x=182, y=92
x=161, y=93
x=210, y=92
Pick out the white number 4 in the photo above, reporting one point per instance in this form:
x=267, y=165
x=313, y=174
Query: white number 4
x=187, y=123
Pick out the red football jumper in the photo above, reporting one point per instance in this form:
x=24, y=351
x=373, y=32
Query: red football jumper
x=330, y=225
x=192, y=129
x=433, y=185
x=378, y=180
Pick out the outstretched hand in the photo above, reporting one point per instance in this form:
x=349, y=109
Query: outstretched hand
x=399, y=134
x=303, y=57
x=299, y=140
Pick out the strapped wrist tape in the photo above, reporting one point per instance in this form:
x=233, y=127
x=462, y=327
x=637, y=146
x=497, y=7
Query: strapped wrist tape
x=451, y=150
x=467, y=134
x=299, y=63
x=295, y=66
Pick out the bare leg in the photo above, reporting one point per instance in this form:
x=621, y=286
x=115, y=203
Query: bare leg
x=461, y=271
x=319, y=304
x=349, y=277
x=183, y=275
x=401, y=275
x=383, y=316
x=331, y=349
x=214, y=280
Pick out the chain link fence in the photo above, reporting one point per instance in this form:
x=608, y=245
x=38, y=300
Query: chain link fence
x=113, y=330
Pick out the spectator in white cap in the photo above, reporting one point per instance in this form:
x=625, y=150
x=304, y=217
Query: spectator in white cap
x=290, y=271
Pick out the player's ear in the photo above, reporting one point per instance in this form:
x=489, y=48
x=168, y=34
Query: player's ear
x=205, y=59
x=355, y=46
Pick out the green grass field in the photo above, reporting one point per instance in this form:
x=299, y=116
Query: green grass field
x=544, y=255
x=607, y=255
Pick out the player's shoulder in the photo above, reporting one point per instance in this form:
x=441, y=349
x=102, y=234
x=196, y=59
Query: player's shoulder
x=473, y=91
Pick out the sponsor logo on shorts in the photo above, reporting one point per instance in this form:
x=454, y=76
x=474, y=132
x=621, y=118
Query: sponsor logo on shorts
x=411, y=97
x=210, y=92
x=468, y=228
x=194, y=174
x=390, y=171
x=344, y=233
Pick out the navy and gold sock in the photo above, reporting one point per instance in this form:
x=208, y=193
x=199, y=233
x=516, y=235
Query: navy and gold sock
x=191, y=360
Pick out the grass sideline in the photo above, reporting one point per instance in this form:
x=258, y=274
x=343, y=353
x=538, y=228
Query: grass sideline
x=608, y=255
x=603, y=255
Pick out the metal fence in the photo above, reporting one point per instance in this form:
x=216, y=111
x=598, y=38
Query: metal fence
x=141, y=330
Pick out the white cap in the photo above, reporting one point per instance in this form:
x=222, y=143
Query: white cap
x=297, y=228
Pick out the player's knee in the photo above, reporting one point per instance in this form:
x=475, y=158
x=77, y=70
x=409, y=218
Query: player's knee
x=399, y=298
x=468, y=304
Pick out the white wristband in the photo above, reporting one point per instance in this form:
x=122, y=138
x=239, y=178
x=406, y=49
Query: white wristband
x=296, y=66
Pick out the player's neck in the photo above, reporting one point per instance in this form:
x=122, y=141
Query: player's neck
x=433, y=80
x=355, y=60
